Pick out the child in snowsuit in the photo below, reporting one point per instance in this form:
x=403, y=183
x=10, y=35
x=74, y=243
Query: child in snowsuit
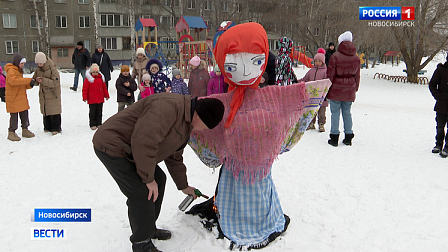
x=216, y=83
x=318, y=72
x=2, y=85
x=439, y=90
x=160, y=81
x=126, y=86
x=94, y=91
x=178, y=84
x=147, y=88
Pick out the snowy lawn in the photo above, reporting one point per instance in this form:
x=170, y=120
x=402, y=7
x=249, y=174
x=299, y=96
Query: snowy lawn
x=387, y=192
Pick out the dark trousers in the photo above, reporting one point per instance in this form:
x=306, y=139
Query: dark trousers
x=52, y=123
x=14, y=120
x=142, y=213
x=2, y=94
x=96, y=114
x=441, y=120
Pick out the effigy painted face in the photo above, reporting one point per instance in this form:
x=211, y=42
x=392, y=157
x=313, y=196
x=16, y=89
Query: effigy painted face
x=244, y=68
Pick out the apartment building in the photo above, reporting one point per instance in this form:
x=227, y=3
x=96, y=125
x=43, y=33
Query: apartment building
x=70, y=21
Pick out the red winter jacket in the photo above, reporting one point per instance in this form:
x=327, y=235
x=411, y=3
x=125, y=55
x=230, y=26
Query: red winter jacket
x=94, y=89
x=344, y=73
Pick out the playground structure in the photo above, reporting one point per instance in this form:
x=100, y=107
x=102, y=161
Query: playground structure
x=142, y=24
x=420, y=80
x=395, y=56
x=298, y=55
x=191, y=47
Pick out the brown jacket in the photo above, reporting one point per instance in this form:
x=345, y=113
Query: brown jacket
x=49, y=89
x=198, y=82
x=158, y=128
x=139, y=69
x=15, y=90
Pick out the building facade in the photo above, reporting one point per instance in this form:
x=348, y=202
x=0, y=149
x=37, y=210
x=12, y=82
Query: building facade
x=70, y=21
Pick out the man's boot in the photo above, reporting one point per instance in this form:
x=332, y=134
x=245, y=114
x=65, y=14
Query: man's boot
x=144, y=246
x=334, y=139
x=162, y=234
x=348, y=139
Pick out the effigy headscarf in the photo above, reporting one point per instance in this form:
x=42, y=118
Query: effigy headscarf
x=243, y=38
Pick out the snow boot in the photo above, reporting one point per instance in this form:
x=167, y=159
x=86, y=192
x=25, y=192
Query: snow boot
x=162, y=234
x=444, y=152
x=348, y=139
x=74, y=89
x=321, y=127
x=144, y=246
x=436, y=149
x=12, y=136
x=26, y=133
x=334, y=138
x=311, y=126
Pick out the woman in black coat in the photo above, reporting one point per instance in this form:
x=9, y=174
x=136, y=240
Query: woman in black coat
x=101, y=58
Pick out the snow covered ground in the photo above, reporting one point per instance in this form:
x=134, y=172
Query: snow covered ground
x=387, y=192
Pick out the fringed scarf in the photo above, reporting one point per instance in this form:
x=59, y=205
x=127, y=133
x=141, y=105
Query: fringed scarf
x=260, y=126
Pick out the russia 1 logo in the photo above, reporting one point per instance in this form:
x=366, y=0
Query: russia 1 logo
x=407, y=13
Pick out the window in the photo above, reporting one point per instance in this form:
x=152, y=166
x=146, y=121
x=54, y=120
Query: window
x=165, y=21
x=36, y=1
x=84, y=22
x=167, y=45
x=126, y=43
x=60, y=1
x=109, y=43
x=87, y=45
x=34, y=23
x=126, y=20
x=61, y=21
x=146, y=16
x=35, y=46
x=9, y=21
x=83, y=1
x=110, y=20
x=224, y=7
x=238, y=7
x=316, y=31
x=207, y=5
x=62, y=52
x=108, y=1
x=273, y=45
x=12, y=46
x=206, y=22
x=191, y=4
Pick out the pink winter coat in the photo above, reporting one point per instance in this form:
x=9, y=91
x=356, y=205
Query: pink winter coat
x=2, y=78
x=148, y=91
x=316, y=73
x=216, y=84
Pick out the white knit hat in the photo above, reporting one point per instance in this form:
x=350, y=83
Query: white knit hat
x=40, y=58
x=140, y=50
x=346, y=36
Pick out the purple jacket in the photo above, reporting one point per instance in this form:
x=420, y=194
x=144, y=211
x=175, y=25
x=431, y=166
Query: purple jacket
x=178, y=86
x=216, y=84
x=2, y=78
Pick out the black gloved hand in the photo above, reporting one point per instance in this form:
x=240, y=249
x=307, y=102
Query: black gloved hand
x=32, y=82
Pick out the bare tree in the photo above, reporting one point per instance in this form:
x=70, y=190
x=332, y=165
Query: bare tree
x=39, y=31
x=95, y=20
x=424, y=38
x=132, y=20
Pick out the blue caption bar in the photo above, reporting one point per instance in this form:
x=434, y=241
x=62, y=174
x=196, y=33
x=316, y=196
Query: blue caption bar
x=379, y=13
x=61, y=215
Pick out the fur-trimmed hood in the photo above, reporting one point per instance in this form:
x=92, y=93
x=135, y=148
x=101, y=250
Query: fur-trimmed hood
x=90, y=77
x=154, y=61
